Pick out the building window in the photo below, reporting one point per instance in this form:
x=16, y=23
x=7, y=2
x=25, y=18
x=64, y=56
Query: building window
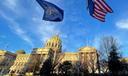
x=52, y=44
x=56, y=45
x=48, y=44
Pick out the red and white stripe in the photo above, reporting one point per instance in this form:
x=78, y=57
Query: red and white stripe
x=103, y=5
x=100, y=9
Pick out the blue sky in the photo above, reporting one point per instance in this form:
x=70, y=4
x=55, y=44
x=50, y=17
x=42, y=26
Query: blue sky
x=22, y=27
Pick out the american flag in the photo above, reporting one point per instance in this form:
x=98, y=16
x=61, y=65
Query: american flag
x=98, y=9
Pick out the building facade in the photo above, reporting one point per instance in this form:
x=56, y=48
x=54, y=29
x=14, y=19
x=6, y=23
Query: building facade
x=6, y=61
x=30, y=64
x=25, y=63
x=85, y=54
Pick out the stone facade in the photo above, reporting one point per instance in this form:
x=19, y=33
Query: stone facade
x=31, y=63
x=86, y=54
x=25, y=63
x=6, y=61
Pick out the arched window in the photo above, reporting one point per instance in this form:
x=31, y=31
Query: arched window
x=48, y=44
x=56, y=45
x=52, y=44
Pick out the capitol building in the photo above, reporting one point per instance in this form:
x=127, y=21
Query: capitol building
x=30, y=64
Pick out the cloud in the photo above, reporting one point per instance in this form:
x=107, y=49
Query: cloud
x=42, y=29
x=45, y=29
x=122, y=24
x=11, y=4
x=14, y=7
x=15, y=27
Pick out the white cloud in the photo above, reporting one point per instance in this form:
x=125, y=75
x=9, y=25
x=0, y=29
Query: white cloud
x=13, y=7
x=122, y=24
x=42, y=29
x=45, y=29
x=11, y=4
x=15, y=27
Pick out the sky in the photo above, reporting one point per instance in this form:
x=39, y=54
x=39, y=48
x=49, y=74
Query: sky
x=22, y=27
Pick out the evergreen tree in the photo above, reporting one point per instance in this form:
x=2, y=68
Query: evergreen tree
x=46, y=68
x=114, y=64
x=109, y=56
x=66, y=68
x=49, y=65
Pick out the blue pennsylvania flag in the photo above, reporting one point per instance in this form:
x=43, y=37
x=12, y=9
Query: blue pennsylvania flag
x=51, y=11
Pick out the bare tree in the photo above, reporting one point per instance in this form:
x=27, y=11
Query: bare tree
x=104, y=66
x=106, y=44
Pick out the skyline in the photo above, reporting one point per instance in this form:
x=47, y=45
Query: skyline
x=22, y=26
